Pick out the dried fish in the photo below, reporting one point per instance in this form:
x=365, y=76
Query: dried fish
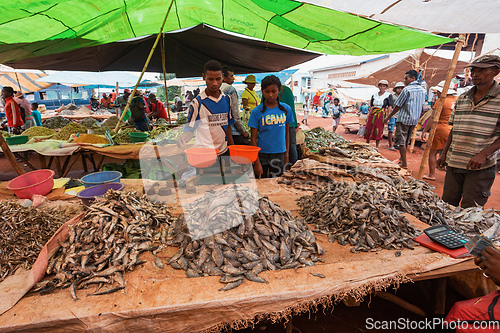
x=109, y=239
x=322, y=276
x=258, y=236
x=355, y=213
x=23, y=233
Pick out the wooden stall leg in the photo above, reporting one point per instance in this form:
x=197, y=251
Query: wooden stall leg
x=438, y=287
x=43, y=163
x=68, y=168
x=50, y=162
x=99, y=164
x=91, y=159
x=58, y=166
x=84, y=162
x=10, y=157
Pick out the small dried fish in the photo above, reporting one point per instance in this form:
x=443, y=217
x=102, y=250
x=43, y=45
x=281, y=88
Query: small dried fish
x=318, y=275
x=23, y=233
x=258, y=236
x=108, y=241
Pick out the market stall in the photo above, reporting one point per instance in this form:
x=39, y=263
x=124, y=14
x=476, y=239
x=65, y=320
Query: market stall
x=165, y=299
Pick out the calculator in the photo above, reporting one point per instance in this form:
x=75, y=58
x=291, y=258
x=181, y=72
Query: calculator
x=446, y=237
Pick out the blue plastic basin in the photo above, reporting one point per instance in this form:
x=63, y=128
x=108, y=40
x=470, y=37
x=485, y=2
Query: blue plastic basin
x=101, y=177
x=88, y=195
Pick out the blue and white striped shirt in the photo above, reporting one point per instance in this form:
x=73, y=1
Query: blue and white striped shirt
x=411, y=100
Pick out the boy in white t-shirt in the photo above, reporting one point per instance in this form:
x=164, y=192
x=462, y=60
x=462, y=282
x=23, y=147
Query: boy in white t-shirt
x=337, y=110
x=210, y=114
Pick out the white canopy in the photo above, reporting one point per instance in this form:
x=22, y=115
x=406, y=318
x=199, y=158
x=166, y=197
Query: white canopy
x=446, y=16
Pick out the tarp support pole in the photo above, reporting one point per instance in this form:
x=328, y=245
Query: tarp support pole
x=439, y=106
x=18, y=83
x=162, y=46
x=144, y=69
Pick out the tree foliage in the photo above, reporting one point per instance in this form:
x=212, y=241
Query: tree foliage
x=172, y=90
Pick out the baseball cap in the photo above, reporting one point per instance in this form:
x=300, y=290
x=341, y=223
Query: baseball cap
x=399, y=84
x=126, y=90
x=485, y=61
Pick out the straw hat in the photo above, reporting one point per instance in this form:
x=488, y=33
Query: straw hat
x=440, y=86
x=250, y=79
x=383, y=82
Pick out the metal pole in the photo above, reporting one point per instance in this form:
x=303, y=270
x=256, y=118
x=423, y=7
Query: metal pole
x=439, y=106
x=144, y=69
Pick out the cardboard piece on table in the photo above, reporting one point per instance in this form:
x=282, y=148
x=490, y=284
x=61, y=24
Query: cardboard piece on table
x=424, y=240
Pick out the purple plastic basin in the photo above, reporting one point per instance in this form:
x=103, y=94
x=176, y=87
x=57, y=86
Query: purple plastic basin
x=88, y=195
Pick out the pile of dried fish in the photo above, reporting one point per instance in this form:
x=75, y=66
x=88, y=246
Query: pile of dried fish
x=358, y=214
x=56, y=122
x=319, y=137
x=311, y=175
x=364, y=174
x=358, y=151
x=417, y=198
x=235, y=234
x=473, y=221
x=107, y=242
x=23, y=233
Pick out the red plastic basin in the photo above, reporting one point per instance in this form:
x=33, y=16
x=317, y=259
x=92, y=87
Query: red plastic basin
x=201, y=157
x=243, y=154
x=34, y=182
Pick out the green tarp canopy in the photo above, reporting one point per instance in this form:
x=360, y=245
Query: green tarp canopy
x=32, y=28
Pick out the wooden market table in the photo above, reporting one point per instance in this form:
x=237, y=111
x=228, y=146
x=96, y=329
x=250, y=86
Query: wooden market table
x=164, y=300
x=66, y=157
x=99, y=117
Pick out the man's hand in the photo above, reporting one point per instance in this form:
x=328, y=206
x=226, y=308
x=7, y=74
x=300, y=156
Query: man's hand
x=257, y=169
x=441, y=162
x=477, y=161
x=184, y=139
x=490, y=265
x=245, y=134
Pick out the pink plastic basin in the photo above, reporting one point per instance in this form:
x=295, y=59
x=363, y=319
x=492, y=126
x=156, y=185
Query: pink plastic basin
x=244, y=154
x=34, y=182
